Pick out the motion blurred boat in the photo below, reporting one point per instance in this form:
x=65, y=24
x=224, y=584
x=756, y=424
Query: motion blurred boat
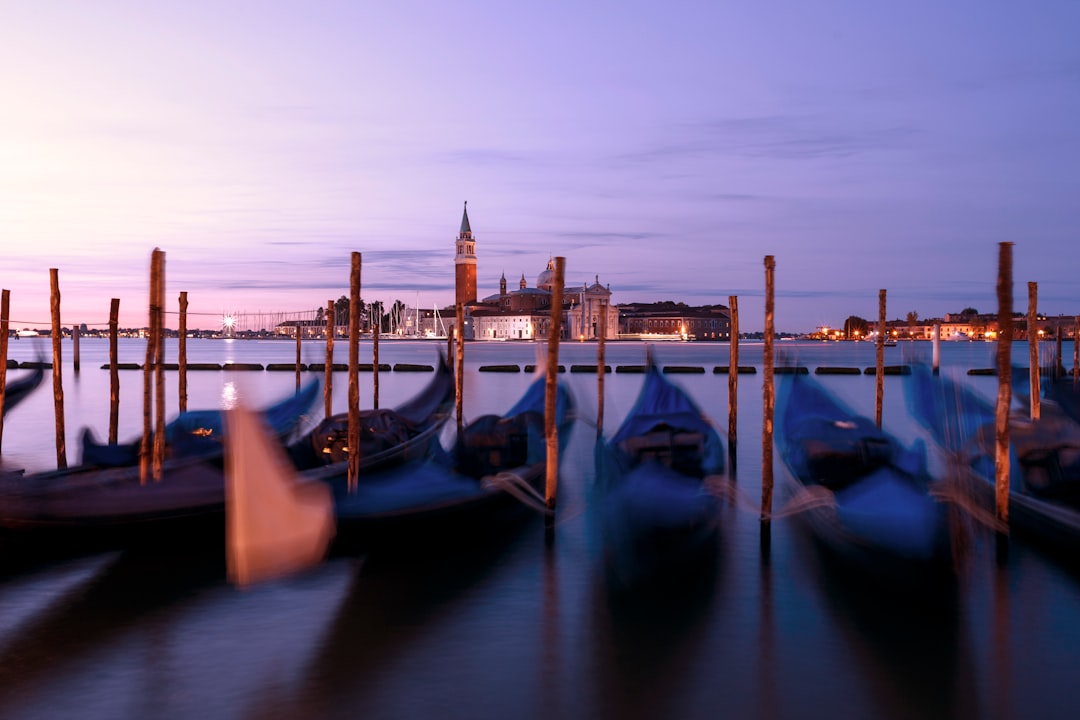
x=494, y=469
x=198, y=432
x=1044, y=476
x=869, y=499
x=15, y=391
x=85, y=508
x=658, y=518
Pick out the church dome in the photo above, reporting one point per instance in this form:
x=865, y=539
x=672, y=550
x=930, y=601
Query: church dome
x=547, y=278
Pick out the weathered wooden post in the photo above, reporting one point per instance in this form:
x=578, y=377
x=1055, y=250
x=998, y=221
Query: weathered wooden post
x=5, y=321
x=181, y=353
x=879, y=363
x=600, y=370
x=733, y=384
x=937, y=348
x=299, y=337
x=459, y=365
x=1076, y=350
x=57, y=373
x=159, y=367
x=1059, y=364
x=145, y=449
x=354, y=369
x=769, y=396
x=376, y=309
x=328, y=368
x=1033, y=350
x=1004, y=372
x=114, y=374
x=551, y=388
x=76, y=362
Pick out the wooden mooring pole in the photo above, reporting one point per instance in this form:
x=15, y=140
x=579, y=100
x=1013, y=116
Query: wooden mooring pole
x=550, y=390
x=1033, y=350
x=159, y=367
x=879, y=362
x=76, y=362
x=354, y=369
x=600, y=370
x=328, y=368
x=376, y=309
x=181, y=353
x=937, y=348
x=1004, y=372
x=5, y=324
x=733, y=384
x=769, y=393
x=114, y=368
x=1076, y=350
x=299, y=337
x=57, y=372
x=459, y=368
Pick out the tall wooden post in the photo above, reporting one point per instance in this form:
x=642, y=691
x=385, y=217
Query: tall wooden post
x=57, y=373
x=181, y=353
x=376, y=309
x=733, y=384
x=5, y=328
x=551, y=386
x=1033, y=350
x=459, y=365
x=76, y=361
x=879, y=364
x=145, y=449
x=114, y=367
x=769, y=394
x=159, y=368
x=1076, y=350
x=299, y=338
x=354, y=369
x=1059, y=364
x=937, y=348
x=601, y=370
x=328, y=368
x=1004, y=372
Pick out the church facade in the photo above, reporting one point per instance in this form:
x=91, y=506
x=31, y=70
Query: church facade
x=524, y=313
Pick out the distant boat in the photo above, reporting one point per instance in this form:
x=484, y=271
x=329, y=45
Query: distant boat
x=27, y=332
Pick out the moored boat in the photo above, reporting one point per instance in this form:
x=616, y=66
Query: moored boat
x=658, y=518
x=869, y=499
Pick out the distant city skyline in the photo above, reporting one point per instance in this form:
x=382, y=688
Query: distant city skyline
x=667, y=149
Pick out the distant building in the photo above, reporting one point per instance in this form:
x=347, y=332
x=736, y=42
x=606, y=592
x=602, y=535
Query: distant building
x=675, y=321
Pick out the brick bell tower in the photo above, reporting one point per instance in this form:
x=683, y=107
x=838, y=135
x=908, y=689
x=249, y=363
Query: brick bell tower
x=465, y=262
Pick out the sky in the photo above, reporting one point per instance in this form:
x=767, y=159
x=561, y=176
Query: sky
x=666, y=148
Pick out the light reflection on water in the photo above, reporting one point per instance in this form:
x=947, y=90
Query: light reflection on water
x=516, y=628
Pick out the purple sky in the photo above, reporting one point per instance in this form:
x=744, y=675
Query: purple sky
x=666, y=147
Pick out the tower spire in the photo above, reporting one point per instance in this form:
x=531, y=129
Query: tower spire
x=465, y=219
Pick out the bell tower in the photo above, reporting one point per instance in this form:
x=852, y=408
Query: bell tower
x=465, y=262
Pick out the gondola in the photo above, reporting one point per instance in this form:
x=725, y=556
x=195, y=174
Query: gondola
x=281, y=521
x=658, y=519
x=81, y=508
x=1044, y=456
x=868, y=499
x=496, y=468
x=198, y=432
x=19, y=389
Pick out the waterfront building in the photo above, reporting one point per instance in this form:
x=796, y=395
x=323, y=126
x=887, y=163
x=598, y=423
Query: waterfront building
x=675, y=321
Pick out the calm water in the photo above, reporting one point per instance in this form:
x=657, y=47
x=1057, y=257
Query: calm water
x=518, y=629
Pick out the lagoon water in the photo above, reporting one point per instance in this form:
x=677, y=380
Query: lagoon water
x=521, y=629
